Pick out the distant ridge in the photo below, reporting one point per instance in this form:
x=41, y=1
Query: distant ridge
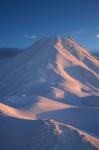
x=9, y=52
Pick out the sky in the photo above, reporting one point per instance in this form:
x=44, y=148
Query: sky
x=22, y=22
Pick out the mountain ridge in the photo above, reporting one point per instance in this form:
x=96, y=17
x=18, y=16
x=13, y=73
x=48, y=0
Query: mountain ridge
x=44, y=134
x=47, y=63
x=54, y=79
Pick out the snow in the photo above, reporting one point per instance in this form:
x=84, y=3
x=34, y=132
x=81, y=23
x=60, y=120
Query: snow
x=29, y=107
x=84, y=118
x=45, y=65
x=56, y=78
x=43, y=135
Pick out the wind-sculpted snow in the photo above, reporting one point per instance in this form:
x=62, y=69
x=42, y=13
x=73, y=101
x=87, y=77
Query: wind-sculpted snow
x=37, y=107
x=29, y=107
x=52, y=63
x=54, y=78
x=43, y=135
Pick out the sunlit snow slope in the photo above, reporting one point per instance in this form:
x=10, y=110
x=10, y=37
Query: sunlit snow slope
x=56, y=78
x=56, y=68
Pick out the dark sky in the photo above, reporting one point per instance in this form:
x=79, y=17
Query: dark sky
x=24, y=21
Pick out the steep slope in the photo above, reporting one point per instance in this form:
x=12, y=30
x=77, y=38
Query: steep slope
x=29, y=107
x=56, y=68
x=37, y=107
x=54, y=78
x=43, y=135
x=84, y=118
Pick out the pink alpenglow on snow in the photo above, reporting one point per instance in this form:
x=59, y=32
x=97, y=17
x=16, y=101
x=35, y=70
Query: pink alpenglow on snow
x=54, y=79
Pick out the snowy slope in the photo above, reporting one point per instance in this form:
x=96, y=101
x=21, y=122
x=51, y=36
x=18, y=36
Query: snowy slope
x=55, y=78
x=29, y=107
x=84, y=118
x=43, y=135
x=62, y=68
x=37, y=107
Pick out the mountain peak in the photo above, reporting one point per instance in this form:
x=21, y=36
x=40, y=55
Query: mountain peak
x=58, y=64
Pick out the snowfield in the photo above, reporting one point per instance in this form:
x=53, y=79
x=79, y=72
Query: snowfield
x=55, y=79
x=43, y=135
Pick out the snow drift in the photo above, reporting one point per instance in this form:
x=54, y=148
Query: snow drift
x=43, y=135
x=56, y=68
x=55, y=78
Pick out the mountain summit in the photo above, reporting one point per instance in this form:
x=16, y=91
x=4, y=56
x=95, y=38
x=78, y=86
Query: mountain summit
x=53, y=67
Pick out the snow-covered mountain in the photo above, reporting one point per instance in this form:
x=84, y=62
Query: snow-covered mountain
x=56, y=78
x=56, y=68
